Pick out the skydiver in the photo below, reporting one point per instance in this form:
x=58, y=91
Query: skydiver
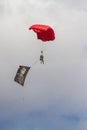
x=41, y=58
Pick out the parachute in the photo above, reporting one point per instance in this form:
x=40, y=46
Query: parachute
x=44, y=32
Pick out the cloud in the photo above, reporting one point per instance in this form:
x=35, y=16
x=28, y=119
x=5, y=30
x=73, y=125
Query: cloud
x=57, y=89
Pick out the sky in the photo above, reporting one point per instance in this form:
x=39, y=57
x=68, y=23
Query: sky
x=54, y=96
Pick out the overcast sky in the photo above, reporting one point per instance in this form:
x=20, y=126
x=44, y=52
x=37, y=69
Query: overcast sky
x=54, y=96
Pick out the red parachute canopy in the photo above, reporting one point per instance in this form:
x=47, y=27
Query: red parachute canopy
x=44, y=32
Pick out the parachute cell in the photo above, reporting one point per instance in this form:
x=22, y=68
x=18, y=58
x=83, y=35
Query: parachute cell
x=44, y=32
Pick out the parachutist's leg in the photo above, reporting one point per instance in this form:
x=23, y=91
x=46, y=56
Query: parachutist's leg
x=41, y=61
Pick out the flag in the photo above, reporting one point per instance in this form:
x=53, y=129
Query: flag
x=21, y=74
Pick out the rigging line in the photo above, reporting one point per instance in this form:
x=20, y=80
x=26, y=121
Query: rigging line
x=34, y=63
x=41, y=46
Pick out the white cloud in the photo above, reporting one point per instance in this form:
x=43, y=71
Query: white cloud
x=62, y=79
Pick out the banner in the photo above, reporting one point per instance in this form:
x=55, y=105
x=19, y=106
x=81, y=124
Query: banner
x=21, y=74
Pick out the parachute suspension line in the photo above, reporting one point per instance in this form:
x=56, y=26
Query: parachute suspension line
x=42, y=47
